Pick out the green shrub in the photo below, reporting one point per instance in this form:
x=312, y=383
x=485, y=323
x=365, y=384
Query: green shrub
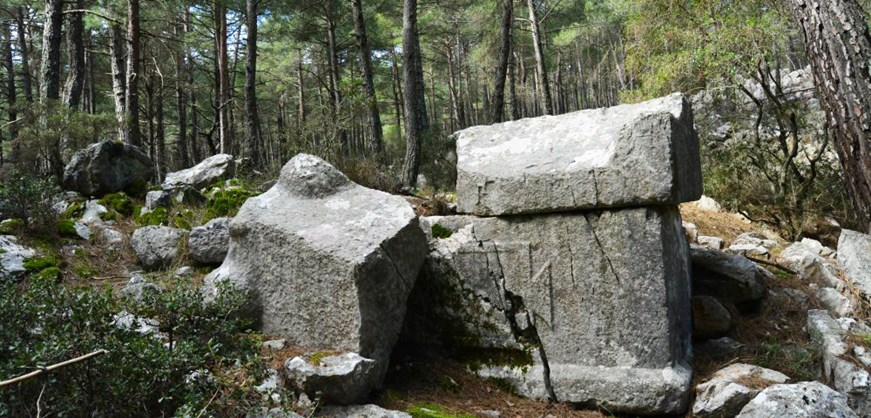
x=183, y=219
x=439, y=231
x=50, y=273
x=74, y=210
x=202, y=349
x=11, y=226
x=158, y=216
x=119, y=202
x=225, y=202
x=29, y=198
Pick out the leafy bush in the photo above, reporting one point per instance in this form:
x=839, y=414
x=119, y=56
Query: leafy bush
x=158, y=216
x=194, y=362
x=29, y=198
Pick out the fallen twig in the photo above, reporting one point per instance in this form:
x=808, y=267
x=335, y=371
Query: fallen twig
x=773, y=264
x=52, y=367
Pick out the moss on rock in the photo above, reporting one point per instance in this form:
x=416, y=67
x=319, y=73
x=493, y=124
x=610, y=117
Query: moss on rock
x=119, y=202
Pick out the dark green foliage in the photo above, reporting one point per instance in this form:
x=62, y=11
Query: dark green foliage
x=183, y=219
x=158, y=216
x=439, y=231
x=141, y=375
x=119, y=202
x=36, y=264
x=11, y=226
x=75, y=210
x=29, y=198
x=50, y=273
x=67, y=228
x=226, y=201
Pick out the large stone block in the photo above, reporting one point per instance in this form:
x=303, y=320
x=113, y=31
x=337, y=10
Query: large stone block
x=590, y=308
x=108, y=167
x=623, y=156
x=328, y=264
x=208, y=171
x=854, y=254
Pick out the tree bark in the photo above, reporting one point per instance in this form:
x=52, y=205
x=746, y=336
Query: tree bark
x=133, y=135
x=182, y=149
x=540, y=63
x=26, y=78
x=76, y=55
x=503, y=62
x=335, y=78
x=416, y=122
x=252, y=121
x=11, y=94
x=838, y=45
x=119, y=78
x=51, y=54
x=377, y=141
x=219, y=12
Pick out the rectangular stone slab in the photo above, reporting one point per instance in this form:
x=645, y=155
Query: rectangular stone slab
x=597, y=303
x=623, y=156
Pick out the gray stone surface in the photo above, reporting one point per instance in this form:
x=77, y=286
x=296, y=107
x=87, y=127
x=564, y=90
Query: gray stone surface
x=854, y=254
x=845, y=376
x=727, y=277
x=157, y=199
x=208, y=244
x=208, y=171
x=93, y=209
x=137, y=287
x=836, y=303
x=12, y=257
x=719, y=348
x=594, y=305
x=360, y=411
x=108, y=167
x=328, y=264
x=800, y=400
x=725, y=394
x=710, y=318
x=715, y=243
x=628, y=155
x=157, y=246
x=809, y=265
x=343, y=379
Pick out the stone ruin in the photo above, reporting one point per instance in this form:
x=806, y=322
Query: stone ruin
x=569, y=277
x=566, y=276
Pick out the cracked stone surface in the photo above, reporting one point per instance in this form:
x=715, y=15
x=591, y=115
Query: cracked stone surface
x=854, y=254
x=208, y=171
x=622, y=156
x=327, y=264
x=843, y=374
x=598, y=302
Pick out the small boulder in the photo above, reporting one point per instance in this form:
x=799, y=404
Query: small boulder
x=344, y=379
x=800, y=400
x=710, y=318
x=854, y=254
x=845, y=376
x=208, y=171
x=708, y=204
x=138, y=287
x=157, y=246
x=715, y=243
x=691, y=231
x=208, y=244
x=108, y=167
x=727, y=277
x=731, y=388
x=12, y=257
x=836, y=303
x=810, y=266
x=157, y=199
x=93, y=210
x=360, y=411
x=719, y=348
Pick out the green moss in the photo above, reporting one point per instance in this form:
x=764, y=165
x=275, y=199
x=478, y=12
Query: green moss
x=183, y=219
x=440, y=232
x=75, y=210
x=50, y=273
x=67, y=228
x=225, y=202
x=433, y=410
x=315, y=358
x=119, y=202
x=158, y=216
x=40, y=263
x=11, y=226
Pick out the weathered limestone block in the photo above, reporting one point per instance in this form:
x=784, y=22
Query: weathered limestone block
x=328, y=264
x=628, y=155
x=589, y=308
x=799, y=400
x=208, y=171
x=108, y=167
x=208, y=243
x=854, y=254
x=726, y=393
x=342, y=379
x=844, y=375
x=157, y=247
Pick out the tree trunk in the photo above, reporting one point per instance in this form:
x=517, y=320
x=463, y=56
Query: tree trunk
x=300, y=91
x=838, y=45
x=416, y=125
x=540, y=63
x=252, y=121
x=335, y=78
x=11, y=94
x=51, y=54
x=219, y=12
x=366, y=66
x=26, y=78
x=76, y=55
x=503, y=62
x=119, y=78
x=133, y=64
x=180, y=93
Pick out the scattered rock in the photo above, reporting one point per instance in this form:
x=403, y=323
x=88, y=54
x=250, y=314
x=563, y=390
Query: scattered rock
x=127, y=321
x=328, y=264
x=360, y=411
x=628, y=155
x=275, y=344
x=208, y=244
x=344, y=379
x=726, y=277
x=844, y=375
x=854, y=255
x=12, y=257
x=715, y=243
x=710, y=318
x=184, y=271
x=113, y=239
x=836, y=303
x=749, y=250
x=108, y=167
x=708, y=204
x=138, y=287
x=157, y=199
x=93, y=210
x=719, y=348
x=157, y=246
x=208, y=171
x=810, y=266
x=82, y=230
x=754, y=239
x=800, y=400
x=731, y=388
x=691, y=231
